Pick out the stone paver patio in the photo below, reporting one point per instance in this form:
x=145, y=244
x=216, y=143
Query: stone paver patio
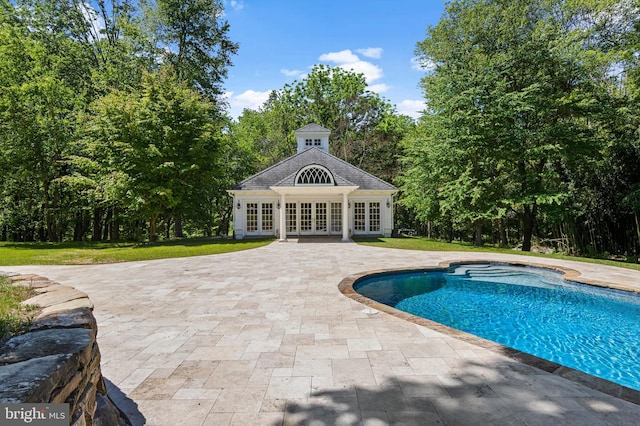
x=264, y=337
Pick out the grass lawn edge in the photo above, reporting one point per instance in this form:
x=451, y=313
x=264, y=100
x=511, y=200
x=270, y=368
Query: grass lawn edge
x=423, y=244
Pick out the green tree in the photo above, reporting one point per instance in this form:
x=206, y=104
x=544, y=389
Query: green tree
x=512, y=100
x=340, y=101
x=37, y=103
x=164, y=140
x=59, y=59
x=61, y=56
x=193, y=38
x=364, y=127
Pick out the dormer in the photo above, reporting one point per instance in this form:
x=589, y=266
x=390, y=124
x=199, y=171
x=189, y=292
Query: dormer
x=312, y=136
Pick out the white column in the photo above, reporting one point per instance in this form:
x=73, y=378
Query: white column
x=283, y=218
x=345, y=218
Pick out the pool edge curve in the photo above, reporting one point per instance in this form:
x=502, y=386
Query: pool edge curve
x=602, y=385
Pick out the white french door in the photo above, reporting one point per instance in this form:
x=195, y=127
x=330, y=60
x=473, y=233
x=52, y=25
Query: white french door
x=313, y=218
x=320, y=219
x=367, y=218
x=306, y=219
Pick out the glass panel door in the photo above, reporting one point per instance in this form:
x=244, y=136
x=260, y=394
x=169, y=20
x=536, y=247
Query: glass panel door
x=336, y=218
x=267, y=218
x=292, y=218
x=359, y=217
x=321, y=218
x=374, y=217
x=306, y=219
x=252, y=217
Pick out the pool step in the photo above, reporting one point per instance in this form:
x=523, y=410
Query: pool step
x=509, y=275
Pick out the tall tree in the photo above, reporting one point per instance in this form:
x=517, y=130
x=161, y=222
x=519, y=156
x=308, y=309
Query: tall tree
x=38, y=98
x=194, y=40
x=512, y=100
x=365, y=129
x=58, y=58
x=164, y=140
x=339, y=100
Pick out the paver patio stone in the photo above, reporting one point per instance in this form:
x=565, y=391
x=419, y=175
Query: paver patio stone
x=240, y=400
x=265, y=337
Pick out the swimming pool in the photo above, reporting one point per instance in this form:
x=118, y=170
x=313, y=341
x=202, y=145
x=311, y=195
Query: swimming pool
x=533, y=310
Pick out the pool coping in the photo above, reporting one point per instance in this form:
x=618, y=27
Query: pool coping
x=605, y=386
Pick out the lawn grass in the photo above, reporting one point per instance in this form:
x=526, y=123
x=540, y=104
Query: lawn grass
x=422, y=243
x=84, y=253
x=14, y=317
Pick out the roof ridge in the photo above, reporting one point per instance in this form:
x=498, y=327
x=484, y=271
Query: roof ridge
x=312, y=127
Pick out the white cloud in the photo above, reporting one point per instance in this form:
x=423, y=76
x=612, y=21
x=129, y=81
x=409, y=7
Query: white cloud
x=410, y=107
x=371, y=72
x=342, y=57
x=292, y=73
x=420, y=65
x=347, y=60
x=379, y=88
x=371, y=52
x=248, y=99
x=237, y=5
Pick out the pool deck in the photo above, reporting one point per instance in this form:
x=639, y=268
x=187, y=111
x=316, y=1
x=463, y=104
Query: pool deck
x=265, y=337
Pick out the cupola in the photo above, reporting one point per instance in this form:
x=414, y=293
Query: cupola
x=313, y=136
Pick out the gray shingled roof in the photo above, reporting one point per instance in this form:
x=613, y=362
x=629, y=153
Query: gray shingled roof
x=312, y=128
x=283, y=173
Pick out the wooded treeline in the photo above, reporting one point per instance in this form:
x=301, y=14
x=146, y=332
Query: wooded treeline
x=111, y=120
x=112, y=124
x=532, y=125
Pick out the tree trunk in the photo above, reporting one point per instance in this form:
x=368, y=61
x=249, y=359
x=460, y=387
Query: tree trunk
x=167, y=229
x=78, y=227
x=504, y=242
x=115, y=226
x=107, y=225
x=477, y=233
x=177, y=227
x=97, y=225
x=528, y=224
x=153, y=237
x=635, y=215
x=449, y=230
x=225, y=220
x=50, y=221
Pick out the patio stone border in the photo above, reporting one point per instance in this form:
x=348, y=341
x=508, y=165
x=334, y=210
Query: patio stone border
x=610, y=388
x=58, y=359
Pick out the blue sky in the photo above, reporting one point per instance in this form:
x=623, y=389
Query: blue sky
x=280, y=40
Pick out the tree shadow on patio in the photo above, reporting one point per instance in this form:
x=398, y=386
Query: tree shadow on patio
x=475, y=393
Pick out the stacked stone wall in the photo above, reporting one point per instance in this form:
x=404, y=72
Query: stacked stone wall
x=58, y=359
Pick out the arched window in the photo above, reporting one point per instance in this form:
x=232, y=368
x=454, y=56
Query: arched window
x=314, y=175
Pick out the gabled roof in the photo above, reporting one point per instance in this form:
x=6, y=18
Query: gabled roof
x=283, y=173
x=312, y=128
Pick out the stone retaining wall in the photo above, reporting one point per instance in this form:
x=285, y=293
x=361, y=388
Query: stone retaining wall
x=58, y=360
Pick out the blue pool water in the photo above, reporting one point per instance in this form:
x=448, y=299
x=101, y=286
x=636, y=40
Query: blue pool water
x=533, y=310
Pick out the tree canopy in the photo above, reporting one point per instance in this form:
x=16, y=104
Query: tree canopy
x=110, y=117
x=520, y=101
